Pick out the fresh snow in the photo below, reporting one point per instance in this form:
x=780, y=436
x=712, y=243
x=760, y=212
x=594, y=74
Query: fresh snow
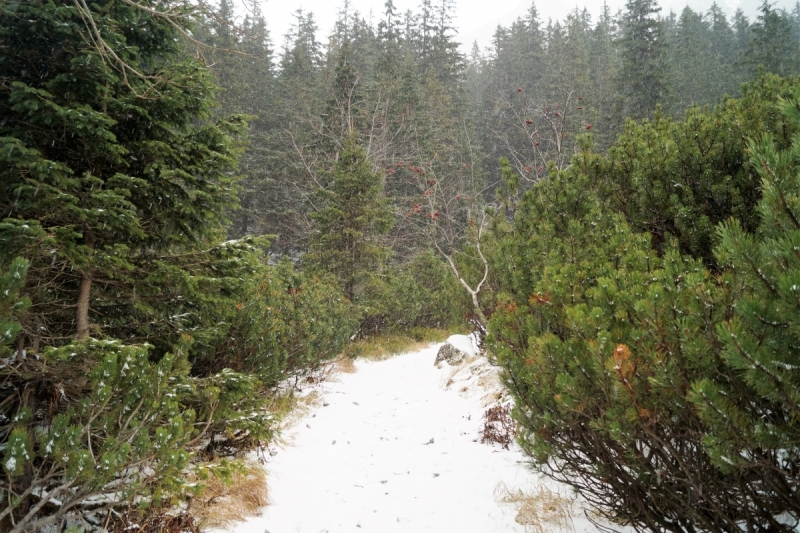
x=465, y=343
x=396, y=447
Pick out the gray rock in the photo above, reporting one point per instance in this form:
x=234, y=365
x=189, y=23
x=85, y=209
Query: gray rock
x=450, y=354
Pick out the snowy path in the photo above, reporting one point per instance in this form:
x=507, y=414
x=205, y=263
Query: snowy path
x=365, y=462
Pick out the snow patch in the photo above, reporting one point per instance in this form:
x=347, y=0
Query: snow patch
x=466, y=343
x=395, y=447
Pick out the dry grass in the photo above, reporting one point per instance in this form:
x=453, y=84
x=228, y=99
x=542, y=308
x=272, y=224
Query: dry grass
x=156, y=522
x=301, y=405
x=282, y=405
x=383, y=347
x=345, y=364
x=541, y=510
x=307, y=401
x=221, y=504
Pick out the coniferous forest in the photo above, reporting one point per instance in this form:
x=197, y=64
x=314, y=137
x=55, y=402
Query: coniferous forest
x=196, y=215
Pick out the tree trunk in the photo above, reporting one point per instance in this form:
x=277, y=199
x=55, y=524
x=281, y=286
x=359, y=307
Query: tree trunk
x=20, y=354
x=84, y=293
x=82, y=312
x=477, y=308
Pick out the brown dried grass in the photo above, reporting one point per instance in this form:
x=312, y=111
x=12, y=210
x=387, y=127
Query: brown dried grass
x=222, y=504
x=158, y=522
x=346, y=365
x=540, y=511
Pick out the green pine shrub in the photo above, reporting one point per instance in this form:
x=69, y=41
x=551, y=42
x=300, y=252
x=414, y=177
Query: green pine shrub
x=11, y=304
x=113, y=434
x=661, y=390
x=288, y=324
x=680, y=178
x=752, y=409
x=600, y=351
x=422, y=293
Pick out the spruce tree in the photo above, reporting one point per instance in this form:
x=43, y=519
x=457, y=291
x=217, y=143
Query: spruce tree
x=242, y=61
x=643, y=78
x=299, y=99
x=693, y=66
x=726, y=79
x=108, y=164
x=603, y=64
x=772, y=44
x=349, y=227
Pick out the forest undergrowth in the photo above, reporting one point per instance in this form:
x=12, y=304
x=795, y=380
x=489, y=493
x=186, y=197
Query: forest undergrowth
x=191, y=225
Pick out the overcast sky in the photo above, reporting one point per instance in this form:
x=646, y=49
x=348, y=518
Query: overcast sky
x=475, y=19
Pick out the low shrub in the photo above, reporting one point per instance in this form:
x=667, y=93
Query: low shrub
x=291, y=322
x=99, y=424
x=422, y=293
x=384, y=345
x=662, y=387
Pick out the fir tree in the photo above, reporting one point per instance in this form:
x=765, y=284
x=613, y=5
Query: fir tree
x=643, y=79
x=726, y=79
x=772, y=44
x=104, y=170
x=693, y=64
x=347, y=239
x=603, y=61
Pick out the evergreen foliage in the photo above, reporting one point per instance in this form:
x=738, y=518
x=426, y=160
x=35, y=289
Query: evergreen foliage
x=288, y=323
x=643, y=76
x=752, y=416
x=773, y=44
x=136, y=342
x=659, y=389
x=683, y=177
x=117, y=440
x=347, y=241
x=639, y=282
x=11, y=305
x=421, y=293
x=104, y=171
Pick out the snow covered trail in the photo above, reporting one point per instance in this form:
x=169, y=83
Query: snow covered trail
x=391, y=449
